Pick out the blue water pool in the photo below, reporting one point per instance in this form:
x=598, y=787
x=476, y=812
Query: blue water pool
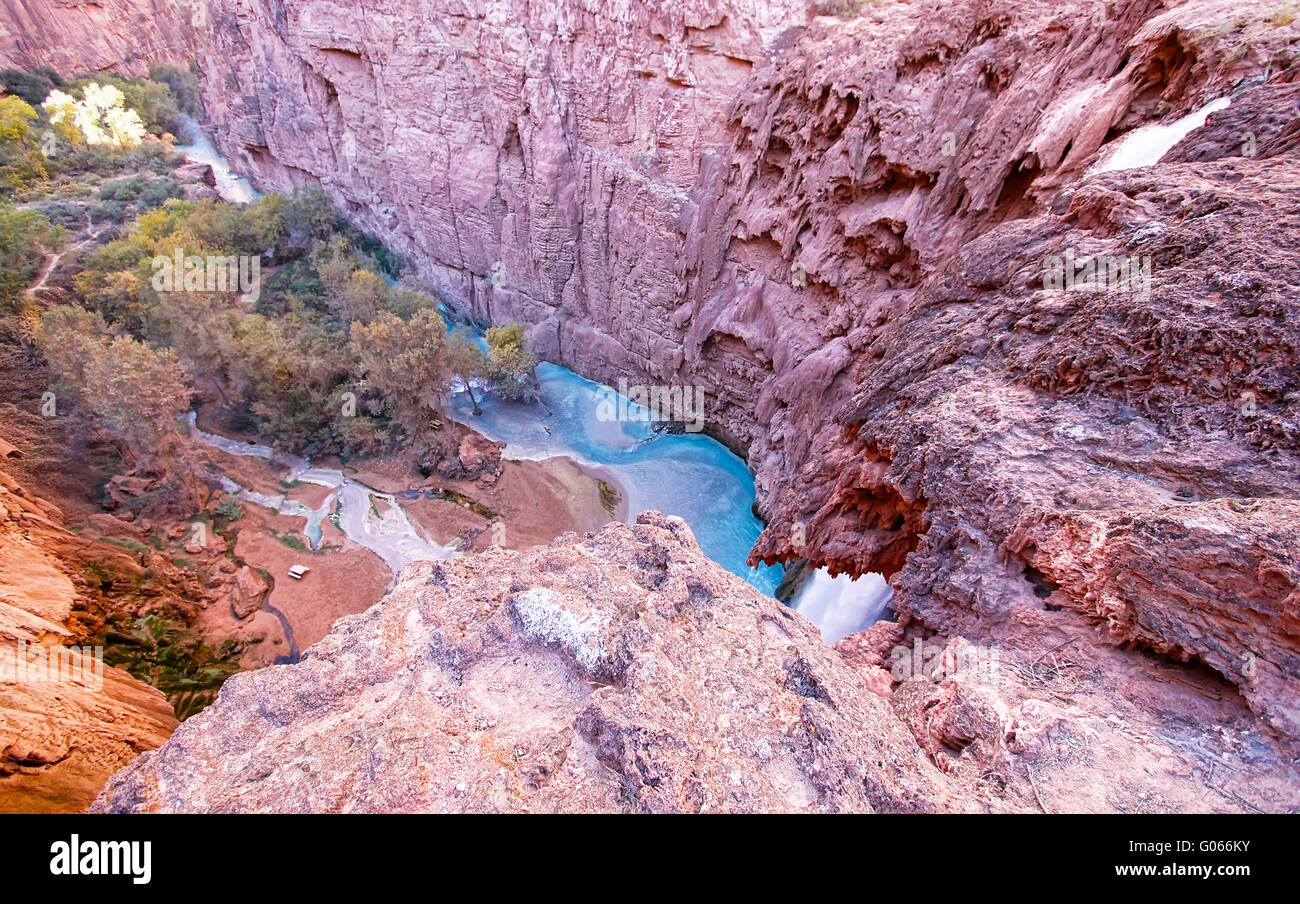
x=689, y=475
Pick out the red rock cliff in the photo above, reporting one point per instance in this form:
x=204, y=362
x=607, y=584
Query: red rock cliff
x=839, y=227
x=78, y=36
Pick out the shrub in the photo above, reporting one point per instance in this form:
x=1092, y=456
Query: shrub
x=24, y=234
x=183, y=86
x=152, y=101
x=33, y=86
x=229, y=509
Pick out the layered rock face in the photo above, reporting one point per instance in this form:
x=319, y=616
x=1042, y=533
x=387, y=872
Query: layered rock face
x=79, y=36
x=66, y=721
x=541, y=162
x=623, y=671
x=733, y=194
x=840, y=227
x=1122, y=450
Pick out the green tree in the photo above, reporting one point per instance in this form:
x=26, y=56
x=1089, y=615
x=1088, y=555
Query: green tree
x=266, y=220
x=510, y=363
x=155, y=104
x=405, y=364
x=16, y=117
x=152, y=101
x=406, y=302
x=289, y=226
x=131, y=391
x=21, y=162
x=24, y=237
x=136, y=393
x=32, y=87
x=68, y=337
x=363, y=296
x=355, y=290
x=183, y=85
x=466, y=362
x=289, y=373
x=309, y=217
x=335, y=261
x=201, y=327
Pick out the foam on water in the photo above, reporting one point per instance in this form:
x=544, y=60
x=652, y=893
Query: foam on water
x=230, y=185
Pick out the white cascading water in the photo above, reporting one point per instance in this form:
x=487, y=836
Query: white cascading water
x=842, y=606
x=1146, y=145
x=230, y=185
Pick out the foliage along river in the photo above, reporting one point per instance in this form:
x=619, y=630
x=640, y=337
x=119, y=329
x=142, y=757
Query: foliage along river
x=689, y=475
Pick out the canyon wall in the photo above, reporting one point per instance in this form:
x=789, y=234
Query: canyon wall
x=1016, y=456
x=735, y=194
x=836, y=225
x=541, y=164
x=60, y=739
x=78, y=36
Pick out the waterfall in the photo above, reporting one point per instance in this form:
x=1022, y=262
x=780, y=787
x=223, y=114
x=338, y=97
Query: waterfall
x=1146, y=145
x=842, y=606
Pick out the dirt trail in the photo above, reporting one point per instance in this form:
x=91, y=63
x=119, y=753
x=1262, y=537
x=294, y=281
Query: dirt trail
x=52, y=258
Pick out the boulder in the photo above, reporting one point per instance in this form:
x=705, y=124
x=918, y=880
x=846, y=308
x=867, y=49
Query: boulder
x=623, y=671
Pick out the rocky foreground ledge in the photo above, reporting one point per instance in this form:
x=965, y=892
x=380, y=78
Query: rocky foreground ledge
x=623, y=671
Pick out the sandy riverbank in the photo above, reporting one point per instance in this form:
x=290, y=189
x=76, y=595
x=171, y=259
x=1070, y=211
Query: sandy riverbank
x=529, y=503
x=533, y=501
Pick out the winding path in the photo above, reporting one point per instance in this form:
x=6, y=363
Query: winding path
x=53, y=257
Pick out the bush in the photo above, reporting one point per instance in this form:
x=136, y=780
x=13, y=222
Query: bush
x=125, y=189
x=21, y=163
x=141, y=192
x=183, y=85
x=131, y=391
x=32, y=87
x=152, y=101
x=843, y=9
x=229, y=509
x=67, y=214
x=295, y=287
x=158, y=191
x=116, y=211
x=24, y=234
